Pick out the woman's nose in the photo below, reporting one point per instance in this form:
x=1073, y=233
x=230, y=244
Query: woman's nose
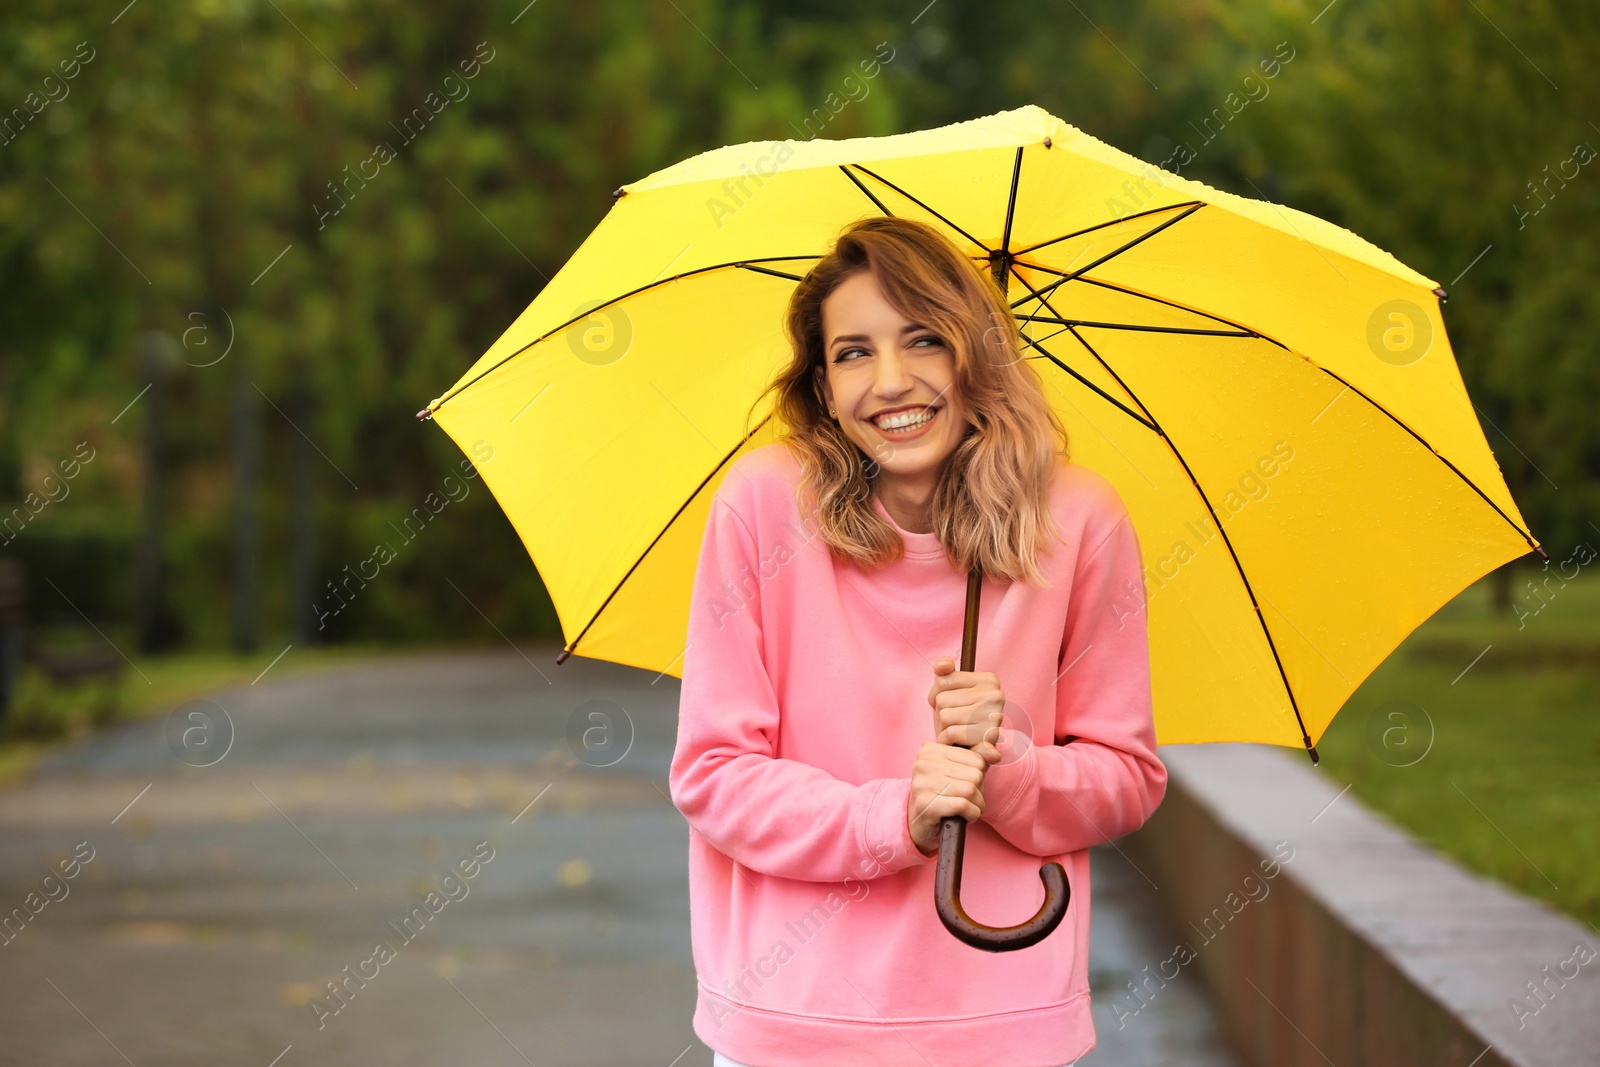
x=892, y=379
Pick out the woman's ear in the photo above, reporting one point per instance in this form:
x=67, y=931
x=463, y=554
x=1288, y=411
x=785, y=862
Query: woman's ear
x=824, y=388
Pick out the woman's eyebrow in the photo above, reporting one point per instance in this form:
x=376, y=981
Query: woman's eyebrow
x=910, y=328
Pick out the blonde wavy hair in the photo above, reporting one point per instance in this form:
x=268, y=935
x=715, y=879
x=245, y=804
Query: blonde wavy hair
x=988, y=506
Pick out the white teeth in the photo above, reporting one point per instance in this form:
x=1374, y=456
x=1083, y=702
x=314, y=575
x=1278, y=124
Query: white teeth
x=904, y=420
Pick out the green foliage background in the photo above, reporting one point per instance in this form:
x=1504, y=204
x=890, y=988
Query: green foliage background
x=199, y=141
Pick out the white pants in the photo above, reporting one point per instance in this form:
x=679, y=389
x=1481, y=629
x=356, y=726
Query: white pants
x=719, y=1060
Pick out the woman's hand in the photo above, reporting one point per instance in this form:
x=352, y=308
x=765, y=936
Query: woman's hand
x=945, y=780
x=967, y=709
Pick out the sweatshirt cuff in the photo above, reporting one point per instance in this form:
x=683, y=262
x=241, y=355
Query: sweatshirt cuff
x=1005, y=783
x=886, y=831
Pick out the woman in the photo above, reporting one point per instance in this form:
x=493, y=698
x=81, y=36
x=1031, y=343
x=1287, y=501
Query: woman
x=823, y=730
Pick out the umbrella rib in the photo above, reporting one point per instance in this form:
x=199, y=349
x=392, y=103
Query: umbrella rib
x=1011, y=206
x=920, y=204
x=632, y=292
x=568, y=650
x=1049, y=336
x=1424, y=443
x=1113, y=222
x=1226, y=540
x=1134, y=326
x=774, y=273
x=865, y=191
x=1109, y=255
x=1119, y=405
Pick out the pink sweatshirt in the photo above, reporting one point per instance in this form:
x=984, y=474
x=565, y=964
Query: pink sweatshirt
x=803, y=705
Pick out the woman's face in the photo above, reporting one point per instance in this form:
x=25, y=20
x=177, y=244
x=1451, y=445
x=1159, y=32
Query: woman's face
x=892, y=381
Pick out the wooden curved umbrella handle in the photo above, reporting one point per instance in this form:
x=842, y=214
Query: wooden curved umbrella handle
x=952, y=847
x=947, y=898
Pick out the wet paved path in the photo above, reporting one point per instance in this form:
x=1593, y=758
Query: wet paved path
x=218, y=901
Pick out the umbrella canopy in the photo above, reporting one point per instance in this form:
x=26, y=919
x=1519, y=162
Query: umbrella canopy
x=1274, y=398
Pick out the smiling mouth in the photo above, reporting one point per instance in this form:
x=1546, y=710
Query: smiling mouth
x=907, y=421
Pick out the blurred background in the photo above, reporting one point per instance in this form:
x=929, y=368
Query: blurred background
x=242, y=242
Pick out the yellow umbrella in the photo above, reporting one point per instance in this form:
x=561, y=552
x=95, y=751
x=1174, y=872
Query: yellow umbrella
x=1274, y=398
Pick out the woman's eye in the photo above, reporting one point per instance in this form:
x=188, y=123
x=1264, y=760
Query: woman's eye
x=930, y=339
x=839, y=357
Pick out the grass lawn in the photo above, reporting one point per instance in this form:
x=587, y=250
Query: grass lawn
x=44, y=713
x=1510, y=783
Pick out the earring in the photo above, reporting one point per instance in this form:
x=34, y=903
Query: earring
x=833, y=413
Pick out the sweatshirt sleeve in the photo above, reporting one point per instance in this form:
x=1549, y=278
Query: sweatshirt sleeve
x=778, y=816
x=1104, y=780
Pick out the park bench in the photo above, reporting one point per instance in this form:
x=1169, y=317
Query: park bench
x=21, y=645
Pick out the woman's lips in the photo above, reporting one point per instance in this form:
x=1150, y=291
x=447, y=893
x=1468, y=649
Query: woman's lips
x=909, y=433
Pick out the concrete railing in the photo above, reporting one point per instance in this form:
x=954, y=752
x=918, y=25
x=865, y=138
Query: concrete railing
x=1326, y=936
